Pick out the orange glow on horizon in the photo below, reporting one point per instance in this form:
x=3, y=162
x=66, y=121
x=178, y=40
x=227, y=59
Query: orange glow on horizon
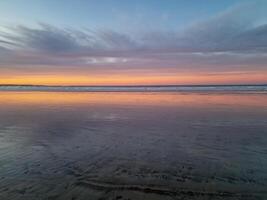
x=134, y=79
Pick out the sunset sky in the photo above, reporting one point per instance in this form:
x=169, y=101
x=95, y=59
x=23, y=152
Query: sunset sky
x=133, y=42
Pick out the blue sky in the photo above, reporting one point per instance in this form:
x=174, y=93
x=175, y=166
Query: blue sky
x=112, y=14
x=158, y=37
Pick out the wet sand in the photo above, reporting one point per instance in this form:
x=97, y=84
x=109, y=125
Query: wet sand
x=133, y=146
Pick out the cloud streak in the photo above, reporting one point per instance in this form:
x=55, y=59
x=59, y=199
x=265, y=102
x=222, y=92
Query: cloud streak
x=235, y=37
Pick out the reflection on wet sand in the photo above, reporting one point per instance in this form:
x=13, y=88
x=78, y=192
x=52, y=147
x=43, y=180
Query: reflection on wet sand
x=136, y=145
x=133, y=98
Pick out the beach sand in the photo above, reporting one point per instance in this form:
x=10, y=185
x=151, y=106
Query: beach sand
x=133, y=146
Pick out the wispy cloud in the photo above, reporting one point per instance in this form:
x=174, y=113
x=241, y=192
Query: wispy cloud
x=237, y=36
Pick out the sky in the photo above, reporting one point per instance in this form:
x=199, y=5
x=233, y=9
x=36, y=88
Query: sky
x=126, y=42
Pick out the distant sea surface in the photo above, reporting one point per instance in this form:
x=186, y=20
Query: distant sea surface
x=135, y=88
x=176, y=142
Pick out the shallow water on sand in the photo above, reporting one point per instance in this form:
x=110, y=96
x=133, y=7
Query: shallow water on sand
x=136, y=145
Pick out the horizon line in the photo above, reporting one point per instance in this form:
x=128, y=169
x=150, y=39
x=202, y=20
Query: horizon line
x=169, y=85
